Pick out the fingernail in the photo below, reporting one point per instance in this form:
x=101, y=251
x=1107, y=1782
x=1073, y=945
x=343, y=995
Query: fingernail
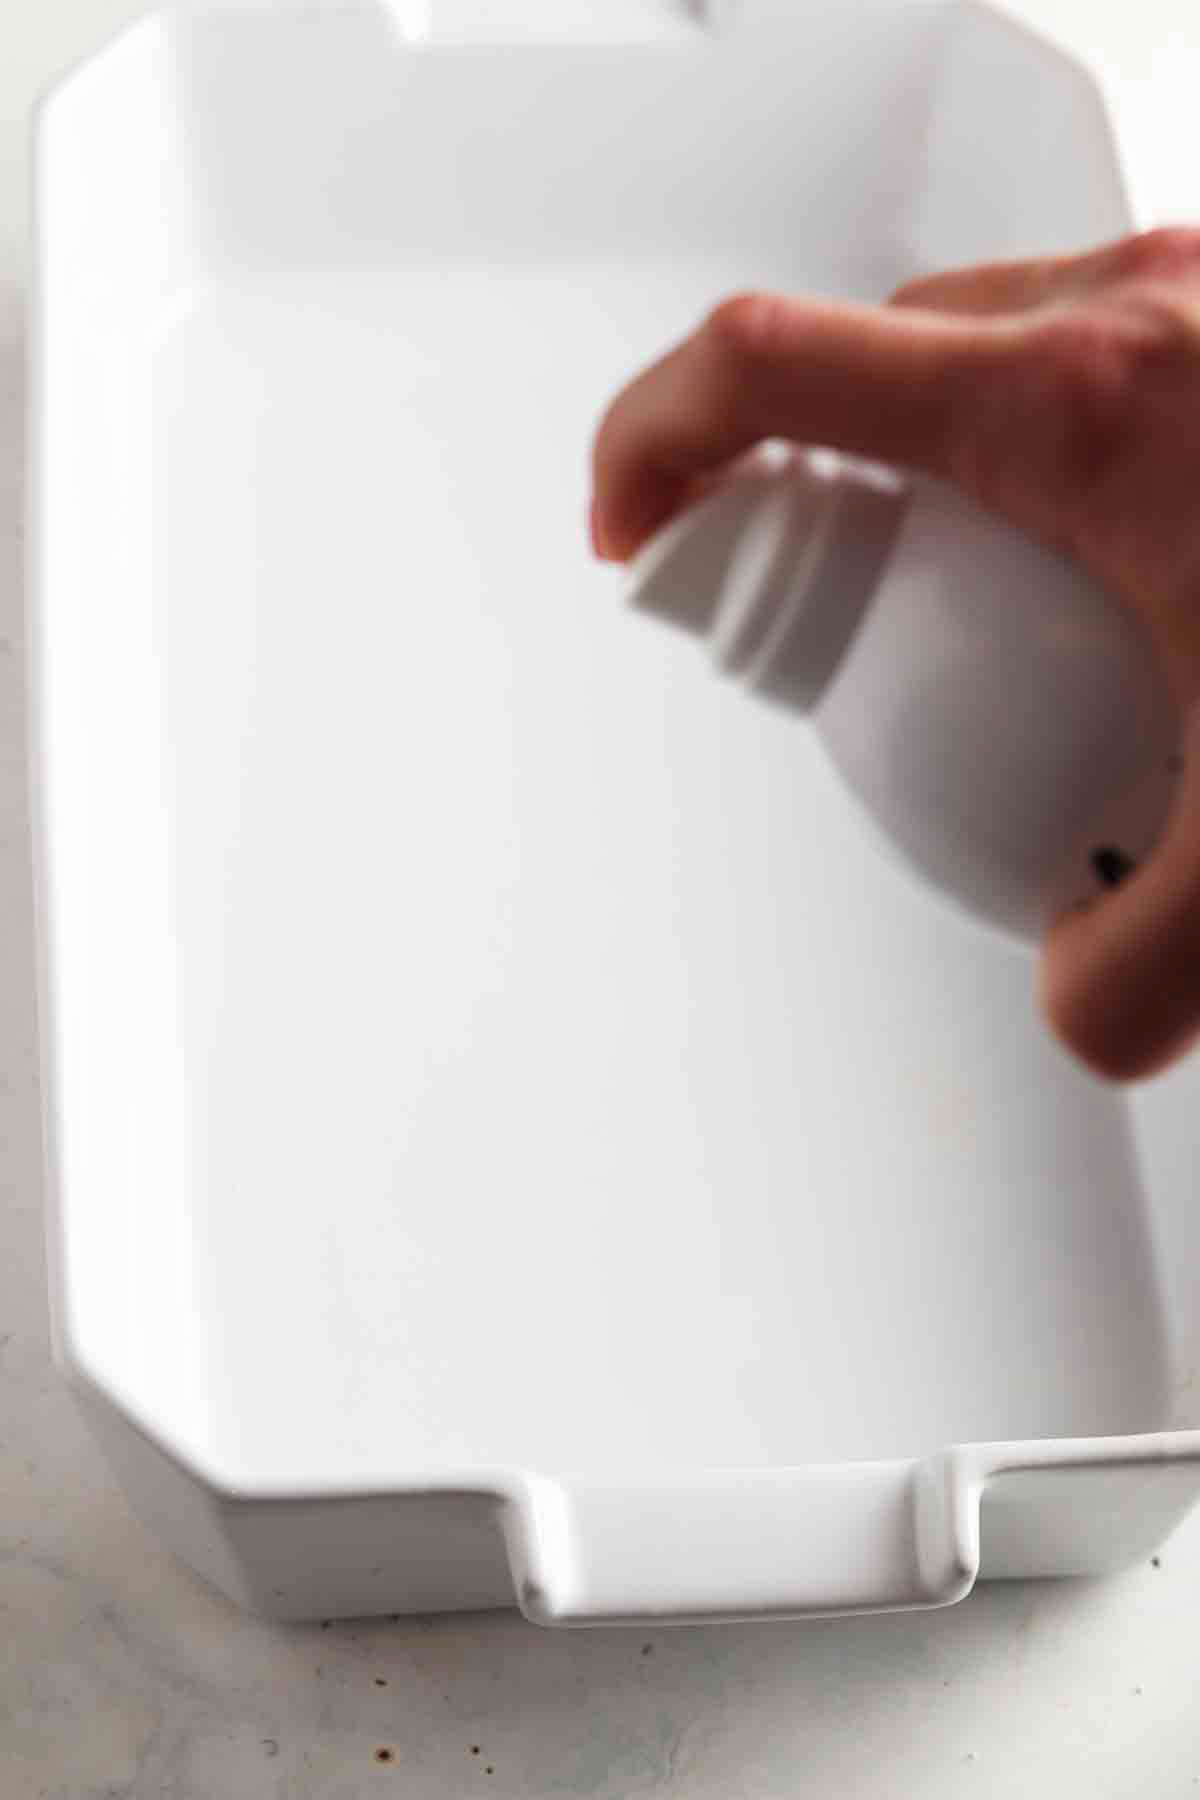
x=596, y=530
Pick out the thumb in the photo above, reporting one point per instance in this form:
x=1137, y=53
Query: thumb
x=1121, y=980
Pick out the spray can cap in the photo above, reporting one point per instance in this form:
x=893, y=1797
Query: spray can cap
x=776, y=566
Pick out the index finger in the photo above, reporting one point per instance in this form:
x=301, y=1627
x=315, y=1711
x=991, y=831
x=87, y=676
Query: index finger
x=888, y=383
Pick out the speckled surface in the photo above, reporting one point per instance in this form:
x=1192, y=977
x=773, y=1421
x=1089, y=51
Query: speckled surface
x=121, y=1676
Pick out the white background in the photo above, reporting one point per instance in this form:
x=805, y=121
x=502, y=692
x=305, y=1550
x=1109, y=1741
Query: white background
x=120, y=1675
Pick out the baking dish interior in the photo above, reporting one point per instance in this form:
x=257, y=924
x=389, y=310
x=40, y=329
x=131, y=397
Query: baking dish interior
x=481, y=1039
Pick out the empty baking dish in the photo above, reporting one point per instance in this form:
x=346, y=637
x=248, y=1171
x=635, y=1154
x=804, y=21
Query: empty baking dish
x=510, y=1138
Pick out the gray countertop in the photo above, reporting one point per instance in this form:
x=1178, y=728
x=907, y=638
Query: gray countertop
x=121, y=1675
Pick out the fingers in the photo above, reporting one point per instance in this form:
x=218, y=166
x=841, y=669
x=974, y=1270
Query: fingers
x=882, y=383
x=1121, y=981
x=892, y=382
x=1014, y=287
x=994, y=287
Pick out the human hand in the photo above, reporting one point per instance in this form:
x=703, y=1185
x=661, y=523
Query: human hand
x=1062, y=394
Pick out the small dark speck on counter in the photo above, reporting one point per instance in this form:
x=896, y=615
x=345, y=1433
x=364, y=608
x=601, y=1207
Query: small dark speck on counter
x=489, y=1770
x=384, y=1755
x=474, y=1749
x=379, y=1681
x=325, y=1624
x=647, y=1649
x=271, y=1746
x=1156, y=1562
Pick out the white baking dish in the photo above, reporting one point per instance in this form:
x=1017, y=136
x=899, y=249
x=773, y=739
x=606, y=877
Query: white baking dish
x=509, y=1135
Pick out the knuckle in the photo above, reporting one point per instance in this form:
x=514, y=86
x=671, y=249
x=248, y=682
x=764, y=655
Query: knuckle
x=1167, y=249
x=1054, y=412
x=746, y=327
x=1111, y=364
x=1161, y=328
x=1108, y=382
x=1086, y=374
x=1081, y=358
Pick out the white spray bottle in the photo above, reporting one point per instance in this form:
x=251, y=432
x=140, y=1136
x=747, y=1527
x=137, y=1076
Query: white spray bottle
x=995, y=710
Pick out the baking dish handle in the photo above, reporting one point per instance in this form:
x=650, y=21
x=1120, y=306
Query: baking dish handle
x=854, y=1537
x=491, y=21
